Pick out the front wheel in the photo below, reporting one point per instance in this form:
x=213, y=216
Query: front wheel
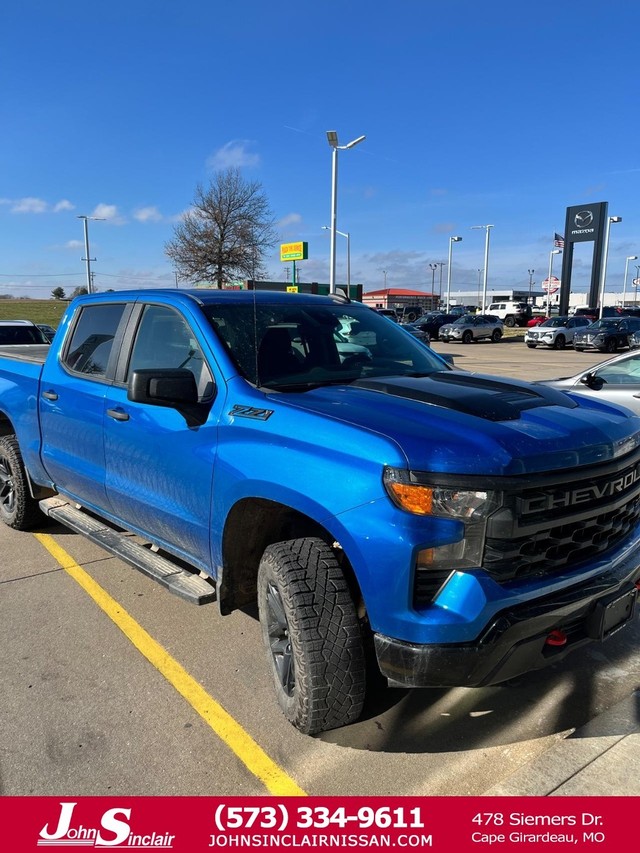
x=611, y=345
x=312, y=635
x=467, y=337
x=17, y=508
x=532, y=346
x=560, y=342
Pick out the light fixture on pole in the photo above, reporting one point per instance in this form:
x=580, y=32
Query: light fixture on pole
x=88, y=259
x=626, y=271
x=605, y=255
x=384, y=273
x=486, y=262
x=332, y=139
x=531, y=272
x=551, y=254
x=452, y=240
x=348, y=236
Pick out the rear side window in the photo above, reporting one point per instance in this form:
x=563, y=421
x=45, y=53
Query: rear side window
x=92, y=341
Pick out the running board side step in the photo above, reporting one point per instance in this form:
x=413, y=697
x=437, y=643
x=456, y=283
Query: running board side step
x=187, y=585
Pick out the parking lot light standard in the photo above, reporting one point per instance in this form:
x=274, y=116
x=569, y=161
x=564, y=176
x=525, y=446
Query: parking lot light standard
x=605, y=256
x=88, y=259
x=452, y=240
x=332, y=139
x=486, y=263
x=348, y=236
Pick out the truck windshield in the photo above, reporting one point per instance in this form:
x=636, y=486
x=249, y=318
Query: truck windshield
x=298, y=347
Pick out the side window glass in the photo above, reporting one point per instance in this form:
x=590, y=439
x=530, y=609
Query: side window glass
x=164, y=340
x=92, y=341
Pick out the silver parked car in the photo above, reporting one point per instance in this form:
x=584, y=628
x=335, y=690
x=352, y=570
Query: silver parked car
x=554, y=332
x=472, y=327
x=614, y=381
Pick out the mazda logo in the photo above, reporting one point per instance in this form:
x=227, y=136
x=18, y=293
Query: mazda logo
x=583, y=219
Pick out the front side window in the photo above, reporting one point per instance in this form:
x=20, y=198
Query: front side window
x=164, y=340
x=92, y=342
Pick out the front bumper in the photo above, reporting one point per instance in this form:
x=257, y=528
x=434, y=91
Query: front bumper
x=516, y=640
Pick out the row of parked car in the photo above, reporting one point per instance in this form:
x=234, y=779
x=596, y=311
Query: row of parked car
x=608, y=334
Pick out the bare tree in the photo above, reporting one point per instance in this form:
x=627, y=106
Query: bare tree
x=226, y=234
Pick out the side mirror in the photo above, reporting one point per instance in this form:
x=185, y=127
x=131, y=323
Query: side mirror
x=169, y=387
x=593, y=381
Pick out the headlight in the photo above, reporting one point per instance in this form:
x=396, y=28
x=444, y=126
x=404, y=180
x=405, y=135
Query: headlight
x=410, y=492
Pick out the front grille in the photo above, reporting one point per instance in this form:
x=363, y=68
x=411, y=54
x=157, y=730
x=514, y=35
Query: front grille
x=547, y=530
x=553, y=549
x=548, y=524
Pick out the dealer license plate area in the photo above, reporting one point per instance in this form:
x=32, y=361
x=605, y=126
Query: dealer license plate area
x=612, y=613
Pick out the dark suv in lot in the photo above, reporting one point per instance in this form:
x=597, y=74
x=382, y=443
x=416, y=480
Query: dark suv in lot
x=432, y=322
x=607, y=335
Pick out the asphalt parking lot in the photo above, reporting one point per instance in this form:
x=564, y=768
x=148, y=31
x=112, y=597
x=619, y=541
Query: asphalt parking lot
x=111, y=685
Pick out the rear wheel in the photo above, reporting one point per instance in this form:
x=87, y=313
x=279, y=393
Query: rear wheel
x=496, y=335
x=17, y=508
x=560, y=342
x=510, y=321
x=579, y=349
x=467, y=337
x=312, y=635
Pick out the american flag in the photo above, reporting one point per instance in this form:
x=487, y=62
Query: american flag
x=558, y=241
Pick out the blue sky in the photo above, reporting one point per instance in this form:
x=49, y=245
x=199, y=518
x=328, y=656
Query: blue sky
x=474, y=113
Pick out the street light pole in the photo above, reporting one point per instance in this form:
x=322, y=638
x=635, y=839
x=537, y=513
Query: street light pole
x=605, y=255
x=88, y=259
x=332, y=139
x=452, y=240
x=348, y=236
x=551, y=254
x=433, y=268
x=486, y=262
x=626, y=271
x=531, y=272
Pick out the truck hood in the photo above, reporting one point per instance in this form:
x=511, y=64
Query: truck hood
x=468, y=423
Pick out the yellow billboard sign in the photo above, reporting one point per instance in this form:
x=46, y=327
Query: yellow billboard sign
x=294, y=251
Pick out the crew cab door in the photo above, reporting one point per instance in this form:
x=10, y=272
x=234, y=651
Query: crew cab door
x=160, y=458
x=71, y=404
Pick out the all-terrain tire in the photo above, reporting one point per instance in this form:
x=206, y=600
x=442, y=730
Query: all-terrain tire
x=17, y=508
x=312, y=635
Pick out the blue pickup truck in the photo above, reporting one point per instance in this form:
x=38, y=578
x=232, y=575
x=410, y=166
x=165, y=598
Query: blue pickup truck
x=376, y=504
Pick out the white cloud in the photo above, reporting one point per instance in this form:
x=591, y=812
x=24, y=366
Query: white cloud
x=62, y=205
x=233, y=155
x=29, y=205
x=290, y=219
x=147, y=214
x=74, y=244
x=108, y=212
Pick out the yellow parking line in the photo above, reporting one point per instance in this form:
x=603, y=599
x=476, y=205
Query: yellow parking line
x=228, y=730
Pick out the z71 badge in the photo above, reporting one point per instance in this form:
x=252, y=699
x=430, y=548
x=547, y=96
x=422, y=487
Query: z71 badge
x=250, y=412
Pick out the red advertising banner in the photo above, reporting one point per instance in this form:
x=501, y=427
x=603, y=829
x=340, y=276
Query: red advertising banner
x=194, y=824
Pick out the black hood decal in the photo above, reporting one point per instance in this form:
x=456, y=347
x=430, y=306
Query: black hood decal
x=474, y=394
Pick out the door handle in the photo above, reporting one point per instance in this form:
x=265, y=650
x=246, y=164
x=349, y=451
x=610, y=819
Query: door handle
x=118, y=414
x=50, y=395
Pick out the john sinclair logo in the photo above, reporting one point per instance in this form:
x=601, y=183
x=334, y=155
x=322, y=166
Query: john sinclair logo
x=114, y=831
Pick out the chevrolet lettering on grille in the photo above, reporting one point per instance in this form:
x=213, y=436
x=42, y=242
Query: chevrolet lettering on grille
x=591, y=493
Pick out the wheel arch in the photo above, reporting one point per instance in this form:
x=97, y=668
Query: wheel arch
x=251, y=526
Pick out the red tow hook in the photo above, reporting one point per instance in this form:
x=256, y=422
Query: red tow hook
x=556, y=638
x=637, y=584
